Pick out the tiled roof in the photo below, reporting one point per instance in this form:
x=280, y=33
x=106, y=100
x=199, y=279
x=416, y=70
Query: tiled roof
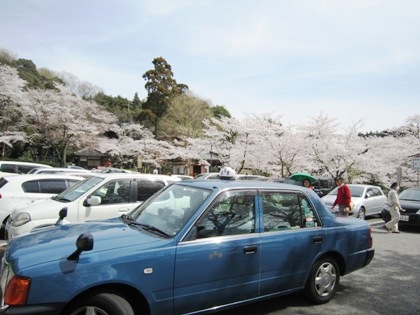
x=89, y=152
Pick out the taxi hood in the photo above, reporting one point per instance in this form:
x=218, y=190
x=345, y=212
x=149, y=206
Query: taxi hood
x=57, y=243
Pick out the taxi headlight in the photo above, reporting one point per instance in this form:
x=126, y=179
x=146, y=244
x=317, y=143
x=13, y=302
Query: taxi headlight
x=21, y=219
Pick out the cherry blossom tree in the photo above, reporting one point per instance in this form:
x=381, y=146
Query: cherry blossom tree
x=132, y=140
x=11, y=93
x=335, y=150
x=80, y=89
x=61, y=128
x=275, y=147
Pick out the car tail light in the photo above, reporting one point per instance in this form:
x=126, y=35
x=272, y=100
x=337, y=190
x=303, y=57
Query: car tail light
x=370, y=234
x=17, y=291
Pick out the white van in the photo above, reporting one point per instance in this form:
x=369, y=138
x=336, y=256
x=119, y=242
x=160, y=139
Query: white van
x=17, y=167
x=102, y=196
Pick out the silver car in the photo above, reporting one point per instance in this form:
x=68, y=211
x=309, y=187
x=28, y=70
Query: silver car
x=367, y=199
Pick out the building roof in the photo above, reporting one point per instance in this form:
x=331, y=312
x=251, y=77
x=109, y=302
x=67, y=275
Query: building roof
x=89, y=152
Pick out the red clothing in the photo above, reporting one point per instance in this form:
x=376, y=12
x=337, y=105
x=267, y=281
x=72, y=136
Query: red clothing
x=343, y=196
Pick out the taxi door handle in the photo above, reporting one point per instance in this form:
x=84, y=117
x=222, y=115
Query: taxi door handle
x=251, y=249
x=317, y=239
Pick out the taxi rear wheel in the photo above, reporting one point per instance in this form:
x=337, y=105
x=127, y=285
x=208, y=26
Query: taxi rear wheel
x=101, y=304
x=323, y=281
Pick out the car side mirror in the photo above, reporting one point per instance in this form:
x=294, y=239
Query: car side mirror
x=61, y=215
x=83, y=243
x=94, y=201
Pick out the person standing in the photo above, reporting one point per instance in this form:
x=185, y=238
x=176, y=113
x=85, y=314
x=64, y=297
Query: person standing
x=343, y=198
x=394, y=208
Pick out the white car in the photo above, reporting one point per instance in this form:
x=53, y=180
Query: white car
x=102, y=196
x=367, y=199
x=55, y=170
x=17, y=167
x=22, y=190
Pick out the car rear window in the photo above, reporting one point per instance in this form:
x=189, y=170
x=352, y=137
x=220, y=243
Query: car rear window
x=45, y=186
x=9, y=168
x=30, y=186
x=52, y=186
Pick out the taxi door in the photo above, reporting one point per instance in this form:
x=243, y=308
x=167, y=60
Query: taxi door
x=220, y=264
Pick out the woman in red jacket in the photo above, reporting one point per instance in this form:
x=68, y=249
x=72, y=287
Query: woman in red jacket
x=343, y=199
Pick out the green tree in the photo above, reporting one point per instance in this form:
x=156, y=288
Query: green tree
x=220, y=111
x=161, y=88
x=119, y=106
x=185, y=117
x=27, y=71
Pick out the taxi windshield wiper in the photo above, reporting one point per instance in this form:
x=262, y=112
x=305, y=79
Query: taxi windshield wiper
x=150, y=228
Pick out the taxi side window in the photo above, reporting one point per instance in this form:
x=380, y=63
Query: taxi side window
x=232, y=213
x=286, y=211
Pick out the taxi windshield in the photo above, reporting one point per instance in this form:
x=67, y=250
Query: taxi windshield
x=170, y=209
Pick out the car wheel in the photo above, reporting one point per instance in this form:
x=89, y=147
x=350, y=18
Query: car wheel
x=323, y=281
x=362, y=213
x=2, y=232
x=102, y=304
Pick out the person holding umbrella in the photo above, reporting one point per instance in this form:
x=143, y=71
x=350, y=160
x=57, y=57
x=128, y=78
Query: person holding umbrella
x=307, y=184
x=300, y=177
x=343, y=198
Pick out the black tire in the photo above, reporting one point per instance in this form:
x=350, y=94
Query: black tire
x=386, y=216
x=362, y=214
x=101, y=304
x=2, y=232
x=323, y=281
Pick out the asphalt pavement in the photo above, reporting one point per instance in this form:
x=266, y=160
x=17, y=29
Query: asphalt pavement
x=389, y=285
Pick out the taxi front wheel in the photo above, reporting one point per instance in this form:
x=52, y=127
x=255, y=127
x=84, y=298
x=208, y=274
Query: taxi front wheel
x=101, y=304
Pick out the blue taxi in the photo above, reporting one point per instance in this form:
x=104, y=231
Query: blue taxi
x=195, y=246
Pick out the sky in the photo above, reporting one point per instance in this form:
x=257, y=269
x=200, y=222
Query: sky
x=352, y=60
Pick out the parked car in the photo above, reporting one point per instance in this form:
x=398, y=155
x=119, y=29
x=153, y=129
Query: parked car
x=22, y=190
x=183, y=177
x=249, y=177
x=323, y=185
x=75, y=167
x=99, y=197
x=237, y=176
x=194, y=246
x=410, y=202
x=207, y=176
x=367, y=200
x=17, y=167
x=53, y=170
